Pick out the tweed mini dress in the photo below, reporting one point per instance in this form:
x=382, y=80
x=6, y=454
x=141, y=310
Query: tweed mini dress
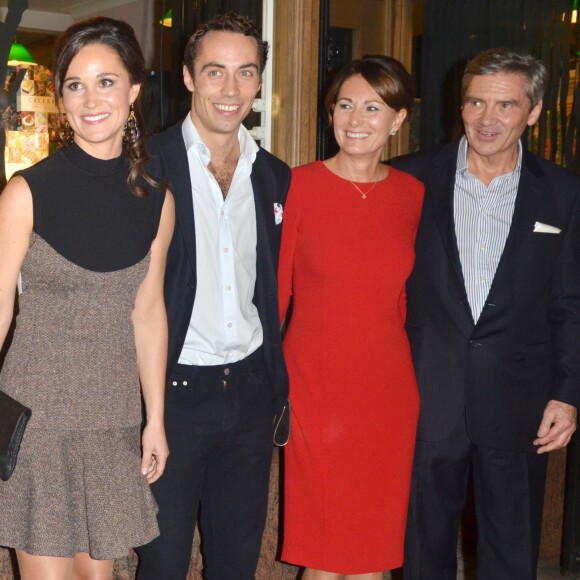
x=77, y=485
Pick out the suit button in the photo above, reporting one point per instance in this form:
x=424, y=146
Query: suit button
x=474, y=343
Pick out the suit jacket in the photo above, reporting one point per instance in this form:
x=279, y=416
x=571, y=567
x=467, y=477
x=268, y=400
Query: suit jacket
x=270, y=181
x=525, y=348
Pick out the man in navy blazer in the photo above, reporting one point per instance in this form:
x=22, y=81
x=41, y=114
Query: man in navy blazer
x=226, y=373
x=493, y=318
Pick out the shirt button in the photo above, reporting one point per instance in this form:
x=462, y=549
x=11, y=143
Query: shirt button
x=185, y=383
x=482, y=245
x=482, y=278
x=229, y=325
x=226, y=372
x=174, y=383
x=226, y=250
x=484, y=212
x=228, y=287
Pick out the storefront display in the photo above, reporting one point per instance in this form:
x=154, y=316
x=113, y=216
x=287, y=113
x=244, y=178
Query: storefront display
x=32, y=123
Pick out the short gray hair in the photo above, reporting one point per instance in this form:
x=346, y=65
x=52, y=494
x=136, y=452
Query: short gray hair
x=504, y=60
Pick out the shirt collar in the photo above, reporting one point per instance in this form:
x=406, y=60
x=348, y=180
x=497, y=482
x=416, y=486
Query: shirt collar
x=462, y=157
x=192, y=139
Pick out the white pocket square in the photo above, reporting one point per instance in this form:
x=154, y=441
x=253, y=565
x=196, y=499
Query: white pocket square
x=278, y=213
x=541, y=228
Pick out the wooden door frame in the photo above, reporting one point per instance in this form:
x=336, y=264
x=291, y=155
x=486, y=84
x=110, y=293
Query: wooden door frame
x=399, y=45
x=295, y=89
x=294, y=99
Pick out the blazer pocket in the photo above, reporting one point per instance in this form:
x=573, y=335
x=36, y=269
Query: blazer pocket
x=539, y=354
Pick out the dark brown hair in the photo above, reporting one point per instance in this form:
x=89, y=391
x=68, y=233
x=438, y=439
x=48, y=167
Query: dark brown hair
x=229, y=22
x=119, y=36
x=386, y=75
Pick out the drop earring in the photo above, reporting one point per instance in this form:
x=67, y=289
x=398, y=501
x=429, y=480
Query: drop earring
x=131, y=132
x=66, y=134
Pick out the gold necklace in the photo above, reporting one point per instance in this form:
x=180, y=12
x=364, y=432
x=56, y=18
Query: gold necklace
x=365, y=193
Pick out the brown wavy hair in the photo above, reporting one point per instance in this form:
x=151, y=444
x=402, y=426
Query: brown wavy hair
x=119, y=36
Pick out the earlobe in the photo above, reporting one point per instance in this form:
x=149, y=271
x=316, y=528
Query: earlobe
x=535, y=113
x=187, y=80
x=134, y=93
x=399, y=119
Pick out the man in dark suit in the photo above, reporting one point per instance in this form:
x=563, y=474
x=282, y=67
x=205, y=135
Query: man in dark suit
x=494, y=325
x=226, y=374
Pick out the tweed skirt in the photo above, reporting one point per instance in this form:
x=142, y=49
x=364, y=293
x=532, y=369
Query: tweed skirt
x=78, y=491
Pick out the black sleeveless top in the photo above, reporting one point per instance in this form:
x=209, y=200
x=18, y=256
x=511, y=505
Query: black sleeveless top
x=85, y=210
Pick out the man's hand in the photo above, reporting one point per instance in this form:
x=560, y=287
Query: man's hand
x=557, y=426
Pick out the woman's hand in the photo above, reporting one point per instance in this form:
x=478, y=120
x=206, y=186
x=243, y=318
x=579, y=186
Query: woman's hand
x=155, y=452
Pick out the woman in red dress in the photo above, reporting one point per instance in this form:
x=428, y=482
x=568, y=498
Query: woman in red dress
x=347, y=251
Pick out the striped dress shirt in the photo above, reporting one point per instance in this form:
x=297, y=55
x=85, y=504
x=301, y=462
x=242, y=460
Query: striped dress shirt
x=483, y=215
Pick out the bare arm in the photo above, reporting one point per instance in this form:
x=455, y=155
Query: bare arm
x=15, y=230
x=150, y=326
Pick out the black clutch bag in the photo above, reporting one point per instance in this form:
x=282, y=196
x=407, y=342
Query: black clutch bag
x=13, y=419
x=282, y=426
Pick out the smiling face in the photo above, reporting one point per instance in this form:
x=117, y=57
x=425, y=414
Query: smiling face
x=362, y=121
x=225, y=82
x=496, y=112
x=97, y=93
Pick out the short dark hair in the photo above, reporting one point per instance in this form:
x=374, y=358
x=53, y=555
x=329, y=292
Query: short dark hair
x=504, y=60
x=386, y=75
x=229, y=22
x=119, y=36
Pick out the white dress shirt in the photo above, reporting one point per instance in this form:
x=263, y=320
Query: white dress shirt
x=483, y=216
x=225, y=326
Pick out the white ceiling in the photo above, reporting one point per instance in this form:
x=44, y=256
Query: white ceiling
x=54, y=5
x=56, y=15
x=44, y=20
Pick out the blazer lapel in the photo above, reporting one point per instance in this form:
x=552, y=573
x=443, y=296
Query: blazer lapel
x=526, y=211
x=442, y=184
x=262, y=184
x=175, y=159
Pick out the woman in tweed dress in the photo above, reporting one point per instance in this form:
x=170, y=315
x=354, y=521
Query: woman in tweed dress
x=88, y=229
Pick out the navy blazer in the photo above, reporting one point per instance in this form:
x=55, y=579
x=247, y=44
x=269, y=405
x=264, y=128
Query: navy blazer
x=270, y=181
x=525, y=348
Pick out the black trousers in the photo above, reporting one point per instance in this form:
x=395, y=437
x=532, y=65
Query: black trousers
x=509, y=496
x=219, y=423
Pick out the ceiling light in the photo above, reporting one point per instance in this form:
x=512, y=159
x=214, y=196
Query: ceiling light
x=167, y=20
x=19, y=55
